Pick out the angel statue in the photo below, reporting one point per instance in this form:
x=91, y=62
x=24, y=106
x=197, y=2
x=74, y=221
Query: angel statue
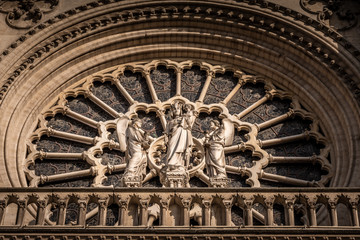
x=219, y=136
x=214, y=144
x=189, y=116
x=178, y=137
x=134, y=141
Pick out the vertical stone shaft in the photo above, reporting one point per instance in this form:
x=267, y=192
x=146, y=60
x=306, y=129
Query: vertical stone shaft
x=40, y=216
x=206, y=86
x=62, y=212
x=355, y=215
x=178, y=82
x=207, y=205
x=21, y=213
x=313, y=221
x=102, y=212
x=82, y=212
x=333, y=213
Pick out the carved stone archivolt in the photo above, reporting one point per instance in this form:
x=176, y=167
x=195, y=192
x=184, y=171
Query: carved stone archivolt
x=25, y=14
x=176, y=124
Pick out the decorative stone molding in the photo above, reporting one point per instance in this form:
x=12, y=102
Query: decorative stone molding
x=27, y=13
x=138, y=14
x=246, y=199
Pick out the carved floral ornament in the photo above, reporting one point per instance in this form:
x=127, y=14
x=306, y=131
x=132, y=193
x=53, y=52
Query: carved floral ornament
x=25, y=14
x=172, y=124
x=341, y=15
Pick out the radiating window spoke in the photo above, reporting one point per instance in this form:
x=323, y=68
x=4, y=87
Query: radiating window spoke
x=276, y=141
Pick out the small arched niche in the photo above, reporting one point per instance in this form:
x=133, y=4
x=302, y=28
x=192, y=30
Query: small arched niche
x=133, y=216
x=218, y=217
x=10, y=216
x=176, y=213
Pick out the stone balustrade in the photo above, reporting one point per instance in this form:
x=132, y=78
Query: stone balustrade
x=200, y=207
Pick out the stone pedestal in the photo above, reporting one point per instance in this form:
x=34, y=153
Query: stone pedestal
x=131, y=180
x=178, y=178
x=220, y=182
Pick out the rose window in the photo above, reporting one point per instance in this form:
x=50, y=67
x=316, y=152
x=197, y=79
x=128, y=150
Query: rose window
x=177, y=124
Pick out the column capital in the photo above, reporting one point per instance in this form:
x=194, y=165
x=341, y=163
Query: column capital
x=228, y=204
x=82, y=203
x=103, y=203
x=62, y=204
x=41, y=203
x=22, y=204
x=164, y=204
x=332, y=204
x=144, y=202
x=289, y=203
x=207, y=204
x=210, y=73
x=248, y=203
x=123, y=204
x=186, y=203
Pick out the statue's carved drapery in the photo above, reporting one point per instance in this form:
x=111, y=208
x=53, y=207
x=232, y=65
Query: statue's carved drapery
x=137, y=142
x=239, y=130
x=215, y=157
x=179, y=138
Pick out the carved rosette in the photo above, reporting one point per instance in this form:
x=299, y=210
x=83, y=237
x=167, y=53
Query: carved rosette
x=25, y=14
x=276, y=141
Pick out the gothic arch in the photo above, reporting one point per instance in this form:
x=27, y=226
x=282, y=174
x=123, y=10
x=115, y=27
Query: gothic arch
x=263, y=39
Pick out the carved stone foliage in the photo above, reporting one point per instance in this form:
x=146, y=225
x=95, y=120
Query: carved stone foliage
x=25, y=14
x=341, y=15
x=238, y=130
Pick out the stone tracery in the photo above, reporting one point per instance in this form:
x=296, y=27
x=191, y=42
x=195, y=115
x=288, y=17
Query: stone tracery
x=271, y=128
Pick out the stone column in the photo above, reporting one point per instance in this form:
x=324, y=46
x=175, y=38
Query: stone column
x=102, y=212
x=40, y=212
x=207, y=206
x=290, y=212
x=123, y=212
x=210, y=75
x=144, y=213
x=228, y=205
x=21, y=213
x=154, y=97
x=186, y=204
x=354, y=214
x=248, y=211
x=333, y=213
x=2, y=211
x=178, y=81
x=82, y=212
x=269, y=212
x=164, y=210
x=313, y=221
x=62, y=212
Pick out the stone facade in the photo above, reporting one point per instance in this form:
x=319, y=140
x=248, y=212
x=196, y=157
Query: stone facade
x=178, y=119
